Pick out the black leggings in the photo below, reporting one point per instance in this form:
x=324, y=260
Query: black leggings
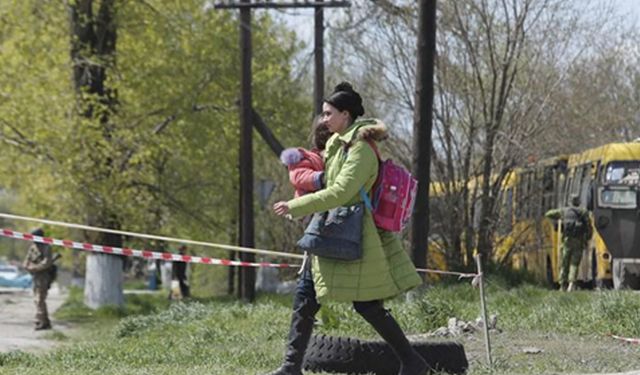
x=369, y=308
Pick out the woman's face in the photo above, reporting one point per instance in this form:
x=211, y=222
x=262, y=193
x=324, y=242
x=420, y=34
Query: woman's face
x=335, y=120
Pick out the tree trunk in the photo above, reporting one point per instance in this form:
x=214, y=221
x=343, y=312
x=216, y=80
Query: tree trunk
x=93, y=46
x=103, y=283
x=485, y=230
x=104, y=277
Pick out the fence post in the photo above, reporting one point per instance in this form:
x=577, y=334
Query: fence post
x=483, y=306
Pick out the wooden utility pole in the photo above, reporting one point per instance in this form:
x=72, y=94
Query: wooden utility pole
x=247, y=274
x=421, y=161
x=247, y=277
x=318, y=54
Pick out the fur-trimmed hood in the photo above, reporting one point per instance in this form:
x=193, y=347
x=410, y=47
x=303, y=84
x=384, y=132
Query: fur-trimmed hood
x=376, y=131
x=365, y=129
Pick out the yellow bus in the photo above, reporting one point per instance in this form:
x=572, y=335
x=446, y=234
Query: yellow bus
x=613, y=196
x=607, y=179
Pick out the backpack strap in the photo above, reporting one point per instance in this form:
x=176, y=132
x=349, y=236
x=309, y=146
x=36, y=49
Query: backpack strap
x=365, y=199
x=374, y=146
x=363, y=194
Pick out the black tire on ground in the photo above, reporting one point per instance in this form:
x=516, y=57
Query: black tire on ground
x=352, y=356
x=604, y=283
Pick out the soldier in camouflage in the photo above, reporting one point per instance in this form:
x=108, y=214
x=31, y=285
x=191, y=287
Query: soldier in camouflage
x=39, y=262
x=576, y=233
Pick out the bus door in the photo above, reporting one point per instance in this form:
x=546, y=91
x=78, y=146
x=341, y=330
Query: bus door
x=617, y=220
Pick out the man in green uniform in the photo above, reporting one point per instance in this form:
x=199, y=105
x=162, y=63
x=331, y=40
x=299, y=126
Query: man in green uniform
x=39, y=262
x=576, y=233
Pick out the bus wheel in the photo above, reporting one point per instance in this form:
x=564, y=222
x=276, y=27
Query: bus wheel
x=604, y=284
x=625, y=276
x=550, y=282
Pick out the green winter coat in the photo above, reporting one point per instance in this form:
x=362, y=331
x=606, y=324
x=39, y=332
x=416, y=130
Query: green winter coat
x=385, y=269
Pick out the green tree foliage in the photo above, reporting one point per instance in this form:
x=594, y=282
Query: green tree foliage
x=166, y=161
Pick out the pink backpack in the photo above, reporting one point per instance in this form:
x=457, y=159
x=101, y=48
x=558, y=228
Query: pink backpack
x=392, y=195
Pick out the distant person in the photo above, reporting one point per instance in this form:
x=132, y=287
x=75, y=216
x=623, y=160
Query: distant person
x=39, y=263
x=179, y=273
x=152, y=274
x=576, y=233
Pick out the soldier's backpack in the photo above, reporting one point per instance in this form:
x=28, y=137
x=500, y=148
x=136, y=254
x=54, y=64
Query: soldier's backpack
x=53, y=274
x=393, y=195
x=576, y=223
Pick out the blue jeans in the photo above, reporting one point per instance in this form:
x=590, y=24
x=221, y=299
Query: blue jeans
x=305, y=289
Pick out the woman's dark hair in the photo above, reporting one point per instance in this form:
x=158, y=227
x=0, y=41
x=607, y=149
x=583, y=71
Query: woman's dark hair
x=345, y=98
x=319, y=134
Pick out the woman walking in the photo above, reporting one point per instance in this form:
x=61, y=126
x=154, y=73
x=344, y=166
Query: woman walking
x=384, y=271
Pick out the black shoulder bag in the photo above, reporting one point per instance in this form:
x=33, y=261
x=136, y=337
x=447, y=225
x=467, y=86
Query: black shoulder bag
x=335, y=234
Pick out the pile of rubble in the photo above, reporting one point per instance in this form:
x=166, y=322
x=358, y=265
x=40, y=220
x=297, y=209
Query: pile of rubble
x=456, y=327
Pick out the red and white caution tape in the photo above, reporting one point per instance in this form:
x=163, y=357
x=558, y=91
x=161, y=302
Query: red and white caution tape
x=626, y=339
x=170, y=256
x=152, y=237
x=139, y=253
x=460, y=275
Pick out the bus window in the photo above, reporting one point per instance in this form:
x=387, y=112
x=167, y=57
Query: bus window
x=547, y=189
x=617, y=198
x=530, y=200
x=622, y=172
x=565, y=193
x=587, y=173
x=437, y=209
x=547, y=179
x=477, y=214
x=576, y=183
x=521, y=197
x=560, y=182
x=506, y=212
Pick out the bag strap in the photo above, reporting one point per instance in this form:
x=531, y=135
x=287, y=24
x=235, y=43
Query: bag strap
x=365, y=199
x=374, y=146
x=371, y=143
x=363, y=194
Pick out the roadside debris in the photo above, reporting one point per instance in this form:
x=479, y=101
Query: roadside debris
x=456, y=327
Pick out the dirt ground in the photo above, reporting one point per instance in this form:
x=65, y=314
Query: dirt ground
x=17, y=320
x=552, y=354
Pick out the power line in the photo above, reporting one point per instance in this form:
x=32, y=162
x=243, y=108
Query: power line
x=271, y=5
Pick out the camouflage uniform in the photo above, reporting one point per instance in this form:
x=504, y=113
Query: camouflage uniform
x=38, y=262
x=572, y=247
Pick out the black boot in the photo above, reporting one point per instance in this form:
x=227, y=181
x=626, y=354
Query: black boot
x=411, y=363
x=302, y=319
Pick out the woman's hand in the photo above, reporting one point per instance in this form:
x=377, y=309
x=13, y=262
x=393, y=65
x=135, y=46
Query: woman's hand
x=281, y=208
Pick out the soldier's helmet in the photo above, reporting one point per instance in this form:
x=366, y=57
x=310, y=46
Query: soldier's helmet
x=38, y=232
x=575, y=200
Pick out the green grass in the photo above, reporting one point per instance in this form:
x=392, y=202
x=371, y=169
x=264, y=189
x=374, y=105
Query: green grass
x=223, y=336
x=74, y=310
x=135, y=284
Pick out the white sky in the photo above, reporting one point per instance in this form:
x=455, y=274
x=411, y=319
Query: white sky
x=630, y=6
x=302, y=21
